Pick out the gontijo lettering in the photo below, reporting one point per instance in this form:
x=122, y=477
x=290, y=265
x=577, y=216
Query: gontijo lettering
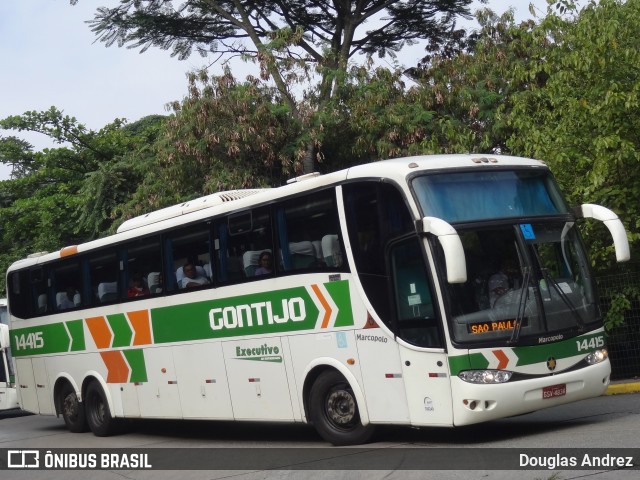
x=239, y=316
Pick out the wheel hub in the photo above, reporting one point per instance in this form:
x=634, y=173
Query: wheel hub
x=341, y=407
x=70, y=405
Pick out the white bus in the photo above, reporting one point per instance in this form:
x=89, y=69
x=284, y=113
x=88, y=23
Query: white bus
x=423, y=291
x=8, y=393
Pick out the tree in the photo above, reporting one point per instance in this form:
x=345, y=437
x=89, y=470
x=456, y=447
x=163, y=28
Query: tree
x=37, y=207
x=376, y=116
x=18, y=153
x=224, y=135
x=280, y=35
x=470, y=85
x=67, y=195
x=113, y=183
x=584, y=120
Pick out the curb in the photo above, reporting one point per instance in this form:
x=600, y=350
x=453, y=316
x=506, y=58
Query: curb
x=618, y=388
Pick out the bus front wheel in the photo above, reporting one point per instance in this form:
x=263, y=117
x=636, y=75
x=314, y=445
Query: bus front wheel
x=99, y=418
x=334, y=411
x=72, y=410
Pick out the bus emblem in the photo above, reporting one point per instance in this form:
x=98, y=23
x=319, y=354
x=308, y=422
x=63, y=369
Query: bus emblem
x=551, y=364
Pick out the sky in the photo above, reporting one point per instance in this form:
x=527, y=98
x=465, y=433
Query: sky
x=50, y=57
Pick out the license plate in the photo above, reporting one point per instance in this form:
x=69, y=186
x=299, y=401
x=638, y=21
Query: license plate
x=554, y=391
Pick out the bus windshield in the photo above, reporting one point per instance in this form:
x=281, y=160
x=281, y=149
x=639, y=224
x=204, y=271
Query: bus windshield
x=526, y=282
x=483, y=195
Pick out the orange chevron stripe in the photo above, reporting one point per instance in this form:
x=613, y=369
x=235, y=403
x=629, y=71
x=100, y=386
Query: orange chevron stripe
x=140, y=323
x=100, y=332
x=325, y=304
x=503, y=360
x=117, y=368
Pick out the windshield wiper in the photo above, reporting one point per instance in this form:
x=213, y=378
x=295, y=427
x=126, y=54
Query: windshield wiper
x=563, y=296
x=522, y=305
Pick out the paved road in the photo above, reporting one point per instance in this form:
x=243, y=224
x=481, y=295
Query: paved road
x=610, y=422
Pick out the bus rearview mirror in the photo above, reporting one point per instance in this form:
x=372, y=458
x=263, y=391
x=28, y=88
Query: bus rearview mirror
x=451, y=246
x=615, y=226
x=4, y=336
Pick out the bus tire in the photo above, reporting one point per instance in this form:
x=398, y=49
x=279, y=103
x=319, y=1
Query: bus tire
x=72, y=410
x=99, y=418
x=334, y=411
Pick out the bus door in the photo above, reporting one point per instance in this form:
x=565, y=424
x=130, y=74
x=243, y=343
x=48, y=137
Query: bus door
x=258, y=381
x=4, y=380
x=5, y=372
x=7, y=393
x=420, y=335
x=27, y=386
x=35, y=391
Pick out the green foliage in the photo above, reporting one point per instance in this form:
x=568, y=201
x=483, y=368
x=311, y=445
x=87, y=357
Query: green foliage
x=471, y=91
x=19, y=154
x=564, y=89
x=312, y=30
x=584, y=119
x=66, y=195
x=375, y=116
x=113, y=183
x=286, y=39
x=620, y=304
x=227, y=134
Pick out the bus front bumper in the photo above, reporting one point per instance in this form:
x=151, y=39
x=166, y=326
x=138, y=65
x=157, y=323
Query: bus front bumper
x=475, y=403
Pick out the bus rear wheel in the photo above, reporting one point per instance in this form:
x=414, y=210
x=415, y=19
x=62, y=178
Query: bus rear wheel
x=99, y=418
x=334, y=411
x=72, y=410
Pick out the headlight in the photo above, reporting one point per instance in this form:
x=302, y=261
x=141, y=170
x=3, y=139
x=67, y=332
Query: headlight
x=597, y=357
x=485, y=376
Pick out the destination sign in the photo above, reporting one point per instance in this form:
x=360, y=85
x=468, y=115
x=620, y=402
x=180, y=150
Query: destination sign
x=491, y=326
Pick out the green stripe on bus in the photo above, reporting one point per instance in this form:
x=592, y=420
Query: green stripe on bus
x=279, y=311
x=532, y=354
x=459, y=363
x=339, y=292
x=45, y=339
x=563, y=349
x=135, y=359
x=122, y=333
x=76, y=330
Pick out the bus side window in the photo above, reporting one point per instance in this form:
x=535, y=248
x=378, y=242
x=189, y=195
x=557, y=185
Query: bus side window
x=188, y=247
x=376, y=214
x=39, y=291
x=19, y=294
x=242, y=240
x=66, y=286
x=415, y=312
x=143, y=257
x=308, y=233
x=104, y=272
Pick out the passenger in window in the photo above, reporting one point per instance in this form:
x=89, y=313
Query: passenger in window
x=264, y=264
x=137, y=288
x=192, y=278
x=503, y=281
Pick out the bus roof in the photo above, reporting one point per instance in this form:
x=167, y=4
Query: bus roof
x=225, y=202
